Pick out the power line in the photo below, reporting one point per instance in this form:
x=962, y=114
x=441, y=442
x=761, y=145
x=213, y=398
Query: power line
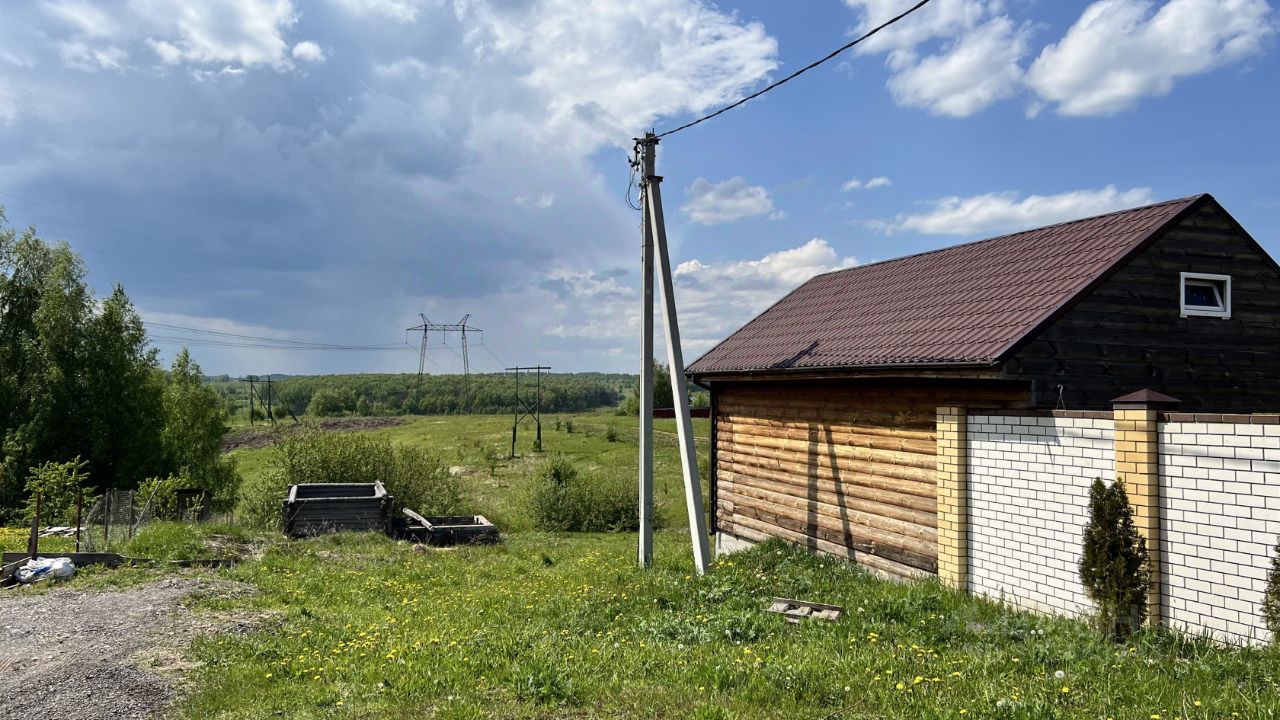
x=797, y=73
x=283, y=341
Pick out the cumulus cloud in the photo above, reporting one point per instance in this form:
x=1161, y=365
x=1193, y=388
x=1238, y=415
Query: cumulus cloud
x=307, y=51
x=1119, y=51
x=242, y=33
x=978, y=69
x=717, y=298
x=977, y=64
x=1005, y=212
x=872, y=184
x=405, y=149
x=714, y=297
x=727, y=201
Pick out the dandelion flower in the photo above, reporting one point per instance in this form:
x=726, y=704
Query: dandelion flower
x=1059, y=674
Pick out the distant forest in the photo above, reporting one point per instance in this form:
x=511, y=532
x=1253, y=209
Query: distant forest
x=387, y=394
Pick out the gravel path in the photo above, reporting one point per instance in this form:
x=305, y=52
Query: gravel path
x=93, y=654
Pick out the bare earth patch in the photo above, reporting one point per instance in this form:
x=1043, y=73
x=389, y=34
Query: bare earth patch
x=103, y=654
x=264, y=435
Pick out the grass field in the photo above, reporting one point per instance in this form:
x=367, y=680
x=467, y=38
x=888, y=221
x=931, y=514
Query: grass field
x=459, y=439
x=566, y=626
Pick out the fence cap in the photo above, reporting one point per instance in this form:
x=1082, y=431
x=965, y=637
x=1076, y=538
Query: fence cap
x=1143, y=398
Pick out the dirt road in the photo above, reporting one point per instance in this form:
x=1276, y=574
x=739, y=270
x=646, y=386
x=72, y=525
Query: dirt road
x=92, y=654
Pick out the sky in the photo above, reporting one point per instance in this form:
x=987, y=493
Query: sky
x=324, y=171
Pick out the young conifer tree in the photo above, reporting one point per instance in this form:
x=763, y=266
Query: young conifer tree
x=1271, y=600
x=1114, y=567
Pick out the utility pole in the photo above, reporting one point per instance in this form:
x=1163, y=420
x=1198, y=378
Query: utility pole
x=524, y=409
x=655, y=238
x=462, y=328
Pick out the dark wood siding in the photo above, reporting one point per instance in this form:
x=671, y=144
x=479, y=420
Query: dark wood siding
x=846, y=468
x=1128, y=333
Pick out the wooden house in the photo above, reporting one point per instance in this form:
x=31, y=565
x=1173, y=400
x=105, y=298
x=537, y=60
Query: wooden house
x=828, y=398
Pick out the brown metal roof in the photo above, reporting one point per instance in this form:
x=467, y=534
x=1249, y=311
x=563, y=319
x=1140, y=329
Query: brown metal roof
x=967, y=304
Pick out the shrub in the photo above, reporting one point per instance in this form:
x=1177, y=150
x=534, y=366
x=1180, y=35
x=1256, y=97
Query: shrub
x=1114, y=568
x=1271, y=600
x=489, y=455
x=57, y=484
x=417, y=479
x=568, y=425
x=611, y=434
x=565, y=500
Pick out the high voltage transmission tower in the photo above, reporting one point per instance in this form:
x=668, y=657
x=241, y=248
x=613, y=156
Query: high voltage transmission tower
x=462, y=328
x=267, y=397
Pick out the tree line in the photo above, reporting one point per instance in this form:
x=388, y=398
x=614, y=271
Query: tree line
x=401, y=394
x=80, y=388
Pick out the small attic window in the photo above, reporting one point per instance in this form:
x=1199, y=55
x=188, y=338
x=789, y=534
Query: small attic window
x=1205, y=295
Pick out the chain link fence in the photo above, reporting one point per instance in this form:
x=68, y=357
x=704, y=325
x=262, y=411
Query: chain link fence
x=114, y=519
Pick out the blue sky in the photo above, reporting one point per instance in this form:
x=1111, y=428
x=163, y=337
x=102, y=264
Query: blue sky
x=324, y=171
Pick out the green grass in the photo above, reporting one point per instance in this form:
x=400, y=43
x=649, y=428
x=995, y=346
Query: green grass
x=567, y=626
x=458, y=440
x=555, y=626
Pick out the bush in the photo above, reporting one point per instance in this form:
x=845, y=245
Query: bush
x=611, y=434
x=417, y=479
x=1271, y=600
x=1114, y=566
x=564, y=500
x=57, y=484
x=568, y=425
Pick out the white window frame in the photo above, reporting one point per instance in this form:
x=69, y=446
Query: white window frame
x=1221, y=285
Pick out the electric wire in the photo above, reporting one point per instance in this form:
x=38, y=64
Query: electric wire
x=797, y=73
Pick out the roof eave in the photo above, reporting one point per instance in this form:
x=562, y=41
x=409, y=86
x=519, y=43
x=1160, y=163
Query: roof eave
x=908, y=368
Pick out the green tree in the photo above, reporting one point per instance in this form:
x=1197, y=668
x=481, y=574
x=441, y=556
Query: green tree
x=662, y=397
x=1271, y=600
x=1114, y=566
x=194, y=424
x=76, y=379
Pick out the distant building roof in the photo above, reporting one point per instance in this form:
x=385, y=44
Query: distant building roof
x=962, y=305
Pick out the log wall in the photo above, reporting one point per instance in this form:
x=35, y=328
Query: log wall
x=846, y=468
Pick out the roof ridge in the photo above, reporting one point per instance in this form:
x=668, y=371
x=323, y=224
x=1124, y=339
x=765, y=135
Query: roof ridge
x=972, y=243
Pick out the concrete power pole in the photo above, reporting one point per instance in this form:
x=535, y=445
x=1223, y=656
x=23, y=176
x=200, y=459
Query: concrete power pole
x=655, y=239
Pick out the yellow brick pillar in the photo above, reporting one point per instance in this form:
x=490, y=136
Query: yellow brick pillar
x=953, y=499
x=1137, y=450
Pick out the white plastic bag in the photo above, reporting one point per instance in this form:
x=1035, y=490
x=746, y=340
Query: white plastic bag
x=41, y=568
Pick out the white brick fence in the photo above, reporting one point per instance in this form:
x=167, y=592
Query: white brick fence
x=1215, y=514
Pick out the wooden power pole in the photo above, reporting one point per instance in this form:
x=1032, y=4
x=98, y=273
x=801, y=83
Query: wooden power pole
x=655, y=248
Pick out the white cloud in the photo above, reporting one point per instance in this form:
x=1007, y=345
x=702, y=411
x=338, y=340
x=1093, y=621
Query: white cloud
x=596, y=83
x=1120, y=51
x=540, y=201
x=717, y=298
x=943, y=19
x=438, y=130
x=872, y=184
x=401, y=11
x=1004, y=212
x=243, y=33
x=980, y=68
x=78, y=55
x=733, y=199
x=307, y=51
x=977, y=65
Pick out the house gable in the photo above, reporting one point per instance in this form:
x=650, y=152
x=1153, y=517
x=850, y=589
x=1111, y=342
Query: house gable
x=1128, y=332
